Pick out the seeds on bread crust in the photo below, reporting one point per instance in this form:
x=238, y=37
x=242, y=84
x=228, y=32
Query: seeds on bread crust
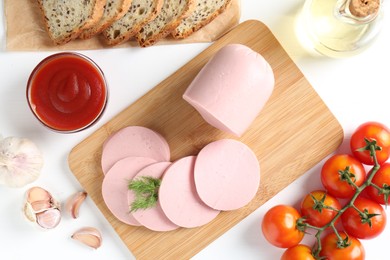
x=119, y=20
x=66, y=19
x=113, y=10
x=140, y=13
x=204, y=13
x=172, y=12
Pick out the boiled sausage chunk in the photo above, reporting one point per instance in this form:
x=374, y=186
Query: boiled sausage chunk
x=232, y=88
x=179, y=198
x=152, y=218
x=227, y=174
x=134, y=141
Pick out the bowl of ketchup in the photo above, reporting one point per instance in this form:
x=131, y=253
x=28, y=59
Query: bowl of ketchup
x=67, y=92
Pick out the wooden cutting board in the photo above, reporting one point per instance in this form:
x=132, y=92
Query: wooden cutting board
x=293, y=132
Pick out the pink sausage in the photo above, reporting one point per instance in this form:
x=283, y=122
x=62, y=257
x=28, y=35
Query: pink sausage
x=115, y=186
x=134, y=141
x=179, y=199
x=232, y=88
x=227, y=174
x=153, y=218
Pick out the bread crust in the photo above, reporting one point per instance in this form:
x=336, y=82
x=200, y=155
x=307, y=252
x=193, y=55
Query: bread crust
x=91, y=23
x=135, y=29
x=99, y=27
x=97, y=12
x=179, y=35
x=168, y=28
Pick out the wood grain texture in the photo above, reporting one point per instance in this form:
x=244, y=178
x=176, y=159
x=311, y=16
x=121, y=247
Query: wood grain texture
x=293, y=132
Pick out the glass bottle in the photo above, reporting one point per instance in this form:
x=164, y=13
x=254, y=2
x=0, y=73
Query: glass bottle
x=340, y=28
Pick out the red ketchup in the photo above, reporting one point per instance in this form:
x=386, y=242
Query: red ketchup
x=67, y=92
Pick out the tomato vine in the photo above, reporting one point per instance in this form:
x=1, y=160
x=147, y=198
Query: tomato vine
x=342, y=243
x=343, y=176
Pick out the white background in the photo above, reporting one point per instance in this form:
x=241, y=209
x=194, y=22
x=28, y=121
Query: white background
x=356, y=90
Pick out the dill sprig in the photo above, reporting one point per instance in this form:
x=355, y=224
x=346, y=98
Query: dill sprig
x=145, y=189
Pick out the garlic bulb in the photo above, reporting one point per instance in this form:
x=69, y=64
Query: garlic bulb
x=40, y=207
x=20, y=161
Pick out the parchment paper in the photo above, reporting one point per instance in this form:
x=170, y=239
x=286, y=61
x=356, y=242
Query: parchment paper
x=25, y=30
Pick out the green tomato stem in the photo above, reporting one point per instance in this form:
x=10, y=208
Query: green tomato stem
x=361, y=213
x=376, y=187
x=353, y=185
x=331, y=208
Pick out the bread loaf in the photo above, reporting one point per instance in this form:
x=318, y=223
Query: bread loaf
x=113, y=10
x=139, y=13
x=172, y=12
x=66, y=19
x=204, y=13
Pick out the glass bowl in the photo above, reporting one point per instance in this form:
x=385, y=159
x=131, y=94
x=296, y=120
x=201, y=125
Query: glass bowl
x=67, y=92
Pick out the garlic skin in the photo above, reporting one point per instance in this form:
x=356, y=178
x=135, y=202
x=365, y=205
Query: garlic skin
x=20, y=162
x=89, y=236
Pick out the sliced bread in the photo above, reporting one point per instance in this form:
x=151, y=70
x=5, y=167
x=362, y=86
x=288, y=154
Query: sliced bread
x=66, y=19
x=139, y=14
x=172, y=12
x=204, y=13
x=113, y=10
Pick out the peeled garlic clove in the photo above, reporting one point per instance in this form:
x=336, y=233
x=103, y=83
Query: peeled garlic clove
x=74, y=202
x=89, y=236
x=38, y=194
x=49, y=219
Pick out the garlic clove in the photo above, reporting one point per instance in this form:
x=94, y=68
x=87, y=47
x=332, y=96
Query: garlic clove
x=40, y=205
x=74, y=202
x=89, y=236
x=38, y=194
x=49, y=219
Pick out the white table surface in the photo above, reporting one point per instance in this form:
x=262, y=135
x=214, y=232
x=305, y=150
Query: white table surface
x=356, y=90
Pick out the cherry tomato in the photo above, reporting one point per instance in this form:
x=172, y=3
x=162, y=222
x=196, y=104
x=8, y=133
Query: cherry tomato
x=331, y=178
x=354, y=225
x=279, y=226
x=317, y=214
x=298, y=252
x=381, y=179
x=355, y=251
x=371, y=131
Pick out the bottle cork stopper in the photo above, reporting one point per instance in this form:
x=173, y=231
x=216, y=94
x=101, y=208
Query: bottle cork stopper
x=364, y=8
